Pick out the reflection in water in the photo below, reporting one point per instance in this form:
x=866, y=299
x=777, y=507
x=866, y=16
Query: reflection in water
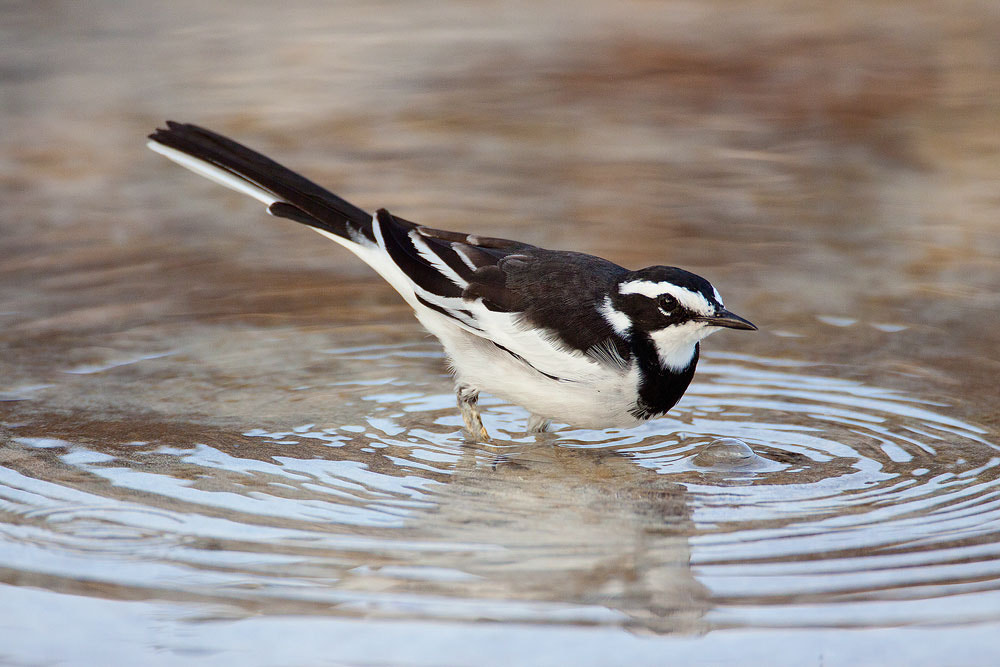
x=586, y=526
x=645, y=528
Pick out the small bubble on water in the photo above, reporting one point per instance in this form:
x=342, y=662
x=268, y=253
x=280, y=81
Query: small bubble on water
x=725, y=453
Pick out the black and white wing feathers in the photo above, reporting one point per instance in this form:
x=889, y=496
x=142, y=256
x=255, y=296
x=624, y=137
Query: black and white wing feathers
x=498, y=287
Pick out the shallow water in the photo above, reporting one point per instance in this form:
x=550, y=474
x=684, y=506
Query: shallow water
x=858, y=506
x=221, y=439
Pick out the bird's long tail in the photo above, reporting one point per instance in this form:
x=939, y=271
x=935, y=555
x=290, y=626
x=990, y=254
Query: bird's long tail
x=286, y=194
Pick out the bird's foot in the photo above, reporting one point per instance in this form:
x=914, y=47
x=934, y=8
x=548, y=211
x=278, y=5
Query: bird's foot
x=538, y=424
x=468, y=403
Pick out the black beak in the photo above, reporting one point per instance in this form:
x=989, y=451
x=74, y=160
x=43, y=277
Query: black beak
x=724, y=318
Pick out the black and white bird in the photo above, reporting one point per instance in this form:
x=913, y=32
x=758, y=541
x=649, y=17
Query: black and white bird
x=570, y=337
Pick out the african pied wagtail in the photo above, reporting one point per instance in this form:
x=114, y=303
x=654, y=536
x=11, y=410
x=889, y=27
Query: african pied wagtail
x=568, y=336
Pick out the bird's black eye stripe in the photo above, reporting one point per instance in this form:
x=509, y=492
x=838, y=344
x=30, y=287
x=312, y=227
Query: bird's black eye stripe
x=666, y=302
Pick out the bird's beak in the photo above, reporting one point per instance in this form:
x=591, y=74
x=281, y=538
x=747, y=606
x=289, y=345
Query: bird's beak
x=723, y=318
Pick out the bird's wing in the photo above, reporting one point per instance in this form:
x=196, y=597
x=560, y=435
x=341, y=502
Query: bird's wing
x=433, y=268
x=540, y=306
x=545, y=305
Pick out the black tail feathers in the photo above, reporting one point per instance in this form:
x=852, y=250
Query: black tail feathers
x=301, y=200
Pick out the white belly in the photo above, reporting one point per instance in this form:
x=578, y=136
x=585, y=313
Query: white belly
x=598, y=399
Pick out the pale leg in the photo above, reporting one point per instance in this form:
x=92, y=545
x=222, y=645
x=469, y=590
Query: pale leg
x=468, y=400
x=538, y=424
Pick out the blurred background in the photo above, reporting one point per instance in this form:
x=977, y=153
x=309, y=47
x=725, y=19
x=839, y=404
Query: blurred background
x=810, y=160
x=832, y=168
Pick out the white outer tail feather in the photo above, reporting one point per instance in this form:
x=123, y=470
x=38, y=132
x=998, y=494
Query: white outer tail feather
x=213, y=173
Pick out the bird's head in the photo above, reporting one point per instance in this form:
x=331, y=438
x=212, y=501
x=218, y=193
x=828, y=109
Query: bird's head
x=672, y=308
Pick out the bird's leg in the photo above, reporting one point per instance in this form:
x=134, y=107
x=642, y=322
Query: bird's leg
x=468, y=400
x=538, y=424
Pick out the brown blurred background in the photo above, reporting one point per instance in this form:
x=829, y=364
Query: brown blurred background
x=834, y=169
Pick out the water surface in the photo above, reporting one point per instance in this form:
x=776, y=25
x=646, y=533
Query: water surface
x=223, y=439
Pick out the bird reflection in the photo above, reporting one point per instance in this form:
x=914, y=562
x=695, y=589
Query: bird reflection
x=583, y=526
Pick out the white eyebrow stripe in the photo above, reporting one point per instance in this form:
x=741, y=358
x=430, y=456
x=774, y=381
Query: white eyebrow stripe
x=693, y=301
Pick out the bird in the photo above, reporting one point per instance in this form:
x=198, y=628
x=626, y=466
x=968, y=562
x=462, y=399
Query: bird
x=573, y=338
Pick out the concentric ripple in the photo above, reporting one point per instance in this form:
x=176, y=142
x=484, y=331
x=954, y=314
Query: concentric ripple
x=771, y=496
